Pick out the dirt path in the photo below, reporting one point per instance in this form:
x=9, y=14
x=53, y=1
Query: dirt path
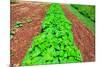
x=22, y=38
x=84, y=38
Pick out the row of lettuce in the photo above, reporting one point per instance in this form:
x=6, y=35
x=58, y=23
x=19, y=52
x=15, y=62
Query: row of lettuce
x=55, y=44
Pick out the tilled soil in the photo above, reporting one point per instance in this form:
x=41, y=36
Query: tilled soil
x=83, y=37
x=22, y=38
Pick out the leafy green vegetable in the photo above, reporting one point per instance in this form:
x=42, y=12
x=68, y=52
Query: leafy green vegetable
x=86, y=10
x=55, y=43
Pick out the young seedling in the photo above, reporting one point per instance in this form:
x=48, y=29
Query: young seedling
x=18, y=24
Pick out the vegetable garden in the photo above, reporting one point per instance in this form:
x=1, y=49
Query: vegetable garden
x=55, y=43
x=50, y=37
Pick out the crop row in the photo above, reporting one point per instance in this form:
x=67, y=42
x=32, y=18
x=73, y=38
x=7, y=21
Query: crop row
x=86, y=10
x=55, y=43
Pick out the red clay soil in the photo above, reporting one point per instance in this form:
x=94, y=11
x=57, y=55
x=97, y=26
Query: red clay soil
x=22, y=38
x=83, y=37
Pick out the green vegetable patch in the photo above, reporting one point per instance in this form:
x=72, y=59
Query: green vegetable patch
x=55, y=43
x=84, y=13
x=86, y=10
